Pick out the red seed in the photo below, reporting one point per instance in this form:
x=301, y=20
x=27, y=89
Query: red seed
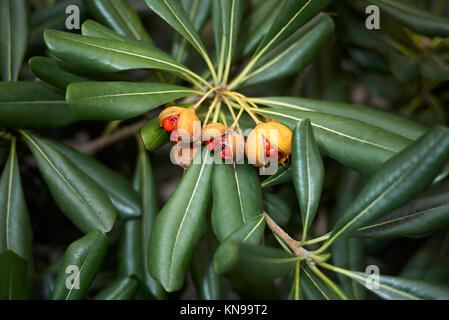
x=170, y=123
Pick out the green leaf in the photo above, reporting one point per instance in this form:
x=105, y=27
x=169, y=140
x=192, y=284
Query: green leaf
x=353, y=143
x=130, y=262
x=395, y=288
x=292, y=16
x=92, y=28
x=415, y=18
x=313, y=287
x=277, y=208
x=237, y=197
x=426, y=265
x=120, y=16
x=180, y=224
x=251, y=233
x=16, y=233
x=14, y=32
x=198, y=12
x=173, y=13
x=282, y=175
x=154, y=136
x=120, y=100
x=231, y=18
x=255, y=262
x=85, y=255
x=81, y=199
x=14, y=282
x=257, y=24
x=375, y=117
x=143, y=182
x=125, y=200
x=401, y=178
x=52, y=71
x=32, y=105
x=307, y=172
x=111, y=55
x=122, y=288
x=206, y=280
x=295, y=53
x=424, y=214
x=347, y=253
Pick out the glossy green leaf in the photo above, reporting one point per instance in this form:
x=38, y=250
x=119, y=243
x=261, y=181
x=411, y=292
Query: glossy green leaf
x=401, y=178
x=130, y=262
x=53, y=72
x=32, y=105
x=307, y=172
x=375, y=117
x=295, y=53
x=251, y=233
x=292, y=16
x=16, y=233
x=207, y=282
x=347, y=253
x=81, y=199
x=255, y=262
x=14, y=32
x=415, y=18
x=231, y=18
x=282, y=175
x=257, y=24
x=143, y=182
x=125, y=200
x=237, y=197
x=180, y=224
x=198, y=12
x=395, y=288
x=173, y=13
x=92, y=28
x=426, y=265
x=14, y=284
x=82, y=260
x=353, y=143
x=424, y=214
x=154, y=136
x=120, y=100
x=277, y=208
x=120, y=16
x=110, y=55
x=313, y=287
x=122, y=288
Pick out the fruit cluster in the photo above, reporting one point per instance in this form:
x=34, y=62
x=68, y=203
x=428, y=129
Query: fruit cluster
x=268, y=142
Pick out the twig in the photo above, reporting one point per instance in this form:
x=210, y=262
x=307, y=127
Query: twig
x=291, y=243
x=121, y=134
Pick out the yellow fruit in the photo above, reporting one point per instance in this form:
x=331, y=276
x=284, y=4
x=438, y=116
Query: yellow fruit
x=183, y=155
x=270, y=135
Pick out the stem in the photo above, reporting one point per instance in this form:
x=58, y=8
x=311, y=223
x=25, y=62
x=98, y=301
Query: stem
x=209, y=112
x=315, y=240
x=205, y=97
x=243, y=105
x=111, y=126
x=217, y=112
x=291, y=243
x=231, y=110
x=328, y=282
x=119, y=135
x=223, y=118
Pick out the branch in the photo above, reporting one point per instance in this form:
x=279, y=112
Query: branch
x=121, y=134
x=291, y=243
